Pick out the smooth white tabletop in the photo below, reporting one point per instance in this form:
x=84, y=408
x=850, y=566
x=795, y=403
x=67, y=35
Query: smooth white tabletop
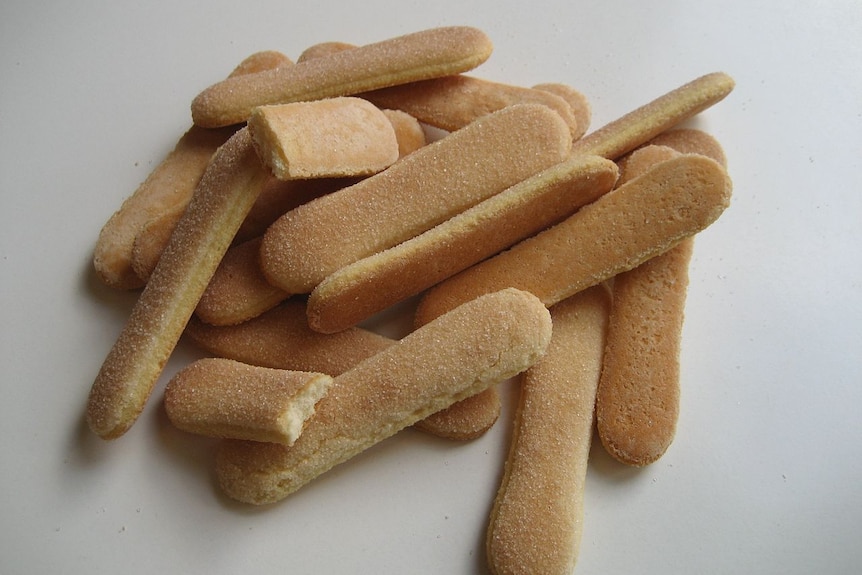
x=765, y=475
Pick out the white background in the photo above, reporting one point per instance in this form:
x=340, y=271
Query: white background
x=765, y=475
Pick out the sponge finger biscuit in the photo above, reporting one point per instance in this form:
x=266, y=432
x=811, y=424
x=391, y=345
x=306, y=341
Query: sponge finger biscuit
x=617, y=232
x=537, y=518
x=418, y=56
x=413, y=195
x=481, y=343
x=223, y=197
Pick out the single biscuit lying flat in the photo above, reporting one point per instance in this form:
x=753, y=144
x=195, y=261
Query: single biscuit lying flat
x=648, y=121
x=637, y=407
x=537, y=519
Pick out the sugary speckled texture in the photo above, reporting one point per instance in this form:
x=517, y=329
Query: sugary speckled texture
x=418, y=56
x=281, y=338
x=537, y=519
x=637, y=407
x=225, y=398
x=477, y=345
x=167, y=190
x=416, y=193
x=617, y=232
x=368, y=286
x=453, y=102
x=223, y=197
x=639, y=126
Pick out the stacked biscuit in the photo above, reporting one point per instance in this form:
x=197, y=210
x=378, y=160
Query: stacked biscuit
x=308, y=197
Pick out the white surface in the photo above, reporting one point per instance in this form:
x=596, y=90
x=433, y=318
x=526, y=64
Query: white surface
x=765, y=475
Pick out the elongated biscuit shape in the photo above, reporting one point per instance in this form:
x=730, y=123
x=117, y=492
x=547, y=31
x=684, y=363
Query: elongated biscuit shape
x=452, y=102
x=617, y=232
x=239, y=291
x=167, y=190
x=537, y=518
x=280, y=338
x=223, y=197
x=413, y=195
x=228, y=399
x=639, y=126
x=334, y=137
x=477, y=345
x=372, y=284
x=638, y=403
x=409, y=58
x=637, y=407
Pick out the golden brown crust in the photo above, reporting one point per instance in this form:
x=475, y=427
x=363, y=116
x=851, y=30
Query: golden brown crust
x=537, y=518
x=167, y=190
x=281, y=338
x=228, y=399
x=481, y=343
x=152, y=239
x=372, y=284
x=452, y=102
x=416, y=193
x=639, y=126
x=467, y=419
x=637, y=407
x=641, y=160
x=238, y=291
x=323, y=49
x=617, y=232
x=224, y=195
x=638, y=402
x=692, y=141
x=278, y=198
x=408, y=131
x=412, y=57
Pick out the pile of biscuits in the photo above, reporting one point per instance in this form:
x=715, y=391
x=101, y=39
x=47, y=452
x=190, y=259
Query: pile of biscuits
x=309, y=196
